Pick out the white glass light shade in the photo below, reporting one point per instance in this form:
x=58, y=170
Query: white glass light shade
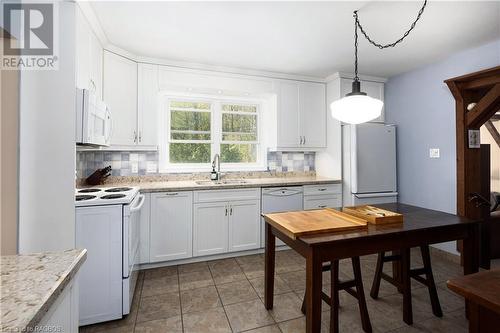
x=356, y=109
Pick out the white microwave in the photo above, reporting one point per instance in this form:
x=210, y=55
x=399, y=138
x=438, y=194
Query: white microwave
x=93, y=120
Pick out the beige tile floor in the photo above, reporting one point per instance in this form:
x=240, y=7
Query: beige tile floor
x=227, y=296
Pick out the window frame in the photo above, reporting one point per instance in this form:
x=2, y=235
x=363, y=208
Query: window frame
x=165, y=166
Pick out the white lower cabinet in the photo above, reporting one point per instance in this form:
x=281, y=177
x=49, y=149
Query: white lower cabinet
x=210, y=233
x=244, y=225
x=222, y=225
x=322, y=201
x=171, y=226
x=322, y=196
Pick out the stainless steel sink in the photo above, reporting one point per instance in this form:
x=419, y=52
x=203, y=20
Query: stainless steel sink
x=221, y=182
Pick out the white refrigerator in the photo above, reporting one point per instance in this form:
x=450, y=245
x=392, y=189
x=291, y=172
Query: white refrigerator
x=369, y=164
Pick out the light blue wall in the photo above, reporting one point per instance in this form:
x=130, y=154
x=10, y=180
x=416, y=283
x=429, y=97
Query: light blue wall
x=422, y=107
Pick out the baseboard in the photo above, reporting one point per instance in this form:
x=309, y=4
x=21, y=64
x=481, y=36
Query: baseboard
x=455, y=258
x=206, y=258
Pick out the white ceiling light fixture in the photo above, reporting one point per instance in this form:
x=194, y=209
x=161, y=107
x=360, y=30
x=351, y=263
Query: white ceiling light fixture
x=357, y=107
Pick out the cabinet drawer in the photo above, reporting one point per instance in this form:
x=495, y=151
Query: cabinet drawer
x=226, y=195
x=322, y=201
x=322, y=189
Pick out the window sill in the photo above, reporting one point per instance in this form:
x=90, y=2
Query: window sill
x=223, y=169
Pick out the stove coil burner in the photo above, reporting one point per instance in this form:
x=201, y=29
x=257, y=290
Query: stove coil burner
x=113, y=196
x=90, y=190
x=118, y=189
x=84, y=197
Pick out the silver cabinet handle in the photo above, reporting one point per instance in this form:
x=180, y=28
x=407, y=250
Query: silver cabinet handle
x=301, y=140
x=226, y=211
x=172, y=193
x=321, y=189
x=322, y=206
x=140, y=136
x=304, y=139
x=231, y=210
x=135, y=137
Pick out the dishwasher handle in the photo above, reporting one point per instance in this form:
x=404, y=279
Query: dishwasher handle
x=282, y=192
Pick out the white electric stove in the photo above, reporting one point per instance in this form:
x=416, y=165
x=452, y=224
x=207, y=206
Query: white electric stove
x=108, y=226
x=98, y=196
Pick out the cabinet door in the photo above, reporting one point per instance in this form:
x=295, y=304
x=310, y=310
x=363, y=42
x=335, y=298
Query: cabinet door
x=312, y=111
x=372, y=89
x=288, y=115
x=210, y=228
x=244, y=225
x=147, y=111
x=171, y=226
x=120, y=94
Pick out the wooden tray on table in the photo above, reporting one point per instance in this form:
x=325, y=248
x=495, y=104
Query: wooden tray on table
x=374, y=215
x=310, y=222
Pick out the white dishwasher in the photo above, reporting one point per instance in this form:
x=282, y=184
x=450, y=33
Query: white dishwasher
x=280, y=199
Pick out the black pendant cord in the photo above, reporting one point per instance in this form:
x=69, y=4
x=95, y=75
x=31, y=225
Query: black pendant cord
x=357, y=25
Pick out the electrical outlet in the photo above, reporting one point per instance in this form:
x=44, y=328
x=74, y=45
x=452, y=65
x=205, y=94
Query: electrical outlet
x=434, y=153
x=134, y=166
x=151, y=167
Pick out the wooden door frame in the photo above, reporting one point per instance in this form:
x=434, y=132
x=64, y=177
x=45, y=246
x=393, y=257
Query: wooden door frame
x=483, y=88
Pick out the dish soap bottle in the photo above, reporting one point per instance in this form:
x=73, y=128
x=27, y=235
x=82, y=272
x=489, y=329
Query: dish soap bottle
x=213, y=174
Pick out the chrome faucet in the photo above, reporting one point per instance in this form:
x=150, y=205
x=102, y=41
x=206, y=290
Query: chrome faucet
x=216, y=157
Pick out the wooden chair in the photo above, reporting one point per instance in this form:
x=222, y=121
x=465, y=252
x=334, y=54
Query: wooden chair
x=403, y=282
x=336, y=286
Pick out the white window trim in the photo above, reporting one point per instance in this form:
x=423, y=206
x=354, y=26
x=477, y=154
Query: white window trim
x=216, y=127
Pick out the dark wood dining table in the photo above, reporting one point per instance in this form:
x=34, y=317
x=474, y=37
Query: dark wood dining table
x=421, y=226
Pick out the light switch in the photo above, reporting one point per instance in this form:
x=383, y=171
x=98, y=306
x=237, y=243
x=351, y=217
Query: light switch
x=434, y=153
x=134, y=166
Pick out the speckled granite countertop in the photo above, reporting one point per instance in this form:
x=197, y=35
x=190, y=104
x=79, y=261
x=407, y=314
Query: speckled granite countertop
x=190, y=185
x=31, y=283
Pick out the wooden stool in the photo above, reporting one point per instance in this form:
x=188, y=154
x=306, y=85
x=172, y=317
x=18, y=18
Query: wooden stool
x=348, y=286
x=403, y=283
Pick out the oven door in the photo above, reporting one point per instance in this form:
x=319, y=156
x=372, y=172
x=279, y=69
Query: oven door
x=131, y=236
x=131, y=224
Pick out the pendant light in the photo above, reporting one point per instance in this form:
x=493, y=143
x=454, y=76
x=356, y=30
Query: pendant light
x=357, y=107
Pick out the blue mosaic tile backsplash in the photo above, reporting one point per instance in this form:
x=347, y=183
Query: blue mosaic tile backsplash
x=122, y=162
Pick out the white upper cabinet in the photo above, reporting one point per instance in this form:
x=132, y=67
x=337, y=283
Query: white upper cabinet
x=301, y=115
x=120, y=94
x=147, y=106
x=312, y=112
x=88, y=56
x=288, y=114
x=371, y=88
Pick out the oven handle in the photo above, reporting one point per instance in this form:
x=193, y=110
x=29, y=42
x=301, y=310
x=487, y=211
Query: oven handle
x=139, y=205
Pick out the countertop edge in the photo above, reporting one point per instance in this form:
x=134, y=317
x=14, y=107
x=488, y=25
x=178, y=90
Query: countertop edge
x=57, y=290
x=144, y=188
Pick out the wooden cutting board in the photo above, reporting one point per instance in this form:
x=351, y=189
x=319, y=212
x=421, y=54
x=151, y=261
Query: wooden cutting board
x=309, y=222
x=374, y=215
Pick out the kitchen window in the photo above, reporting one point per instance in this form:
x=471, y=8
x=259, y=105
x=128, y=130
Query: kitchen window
x=197, y=129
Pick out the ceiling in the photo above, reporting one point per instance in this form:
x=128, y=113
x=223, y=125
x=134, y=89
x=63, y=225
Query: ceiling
x=306, y=38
